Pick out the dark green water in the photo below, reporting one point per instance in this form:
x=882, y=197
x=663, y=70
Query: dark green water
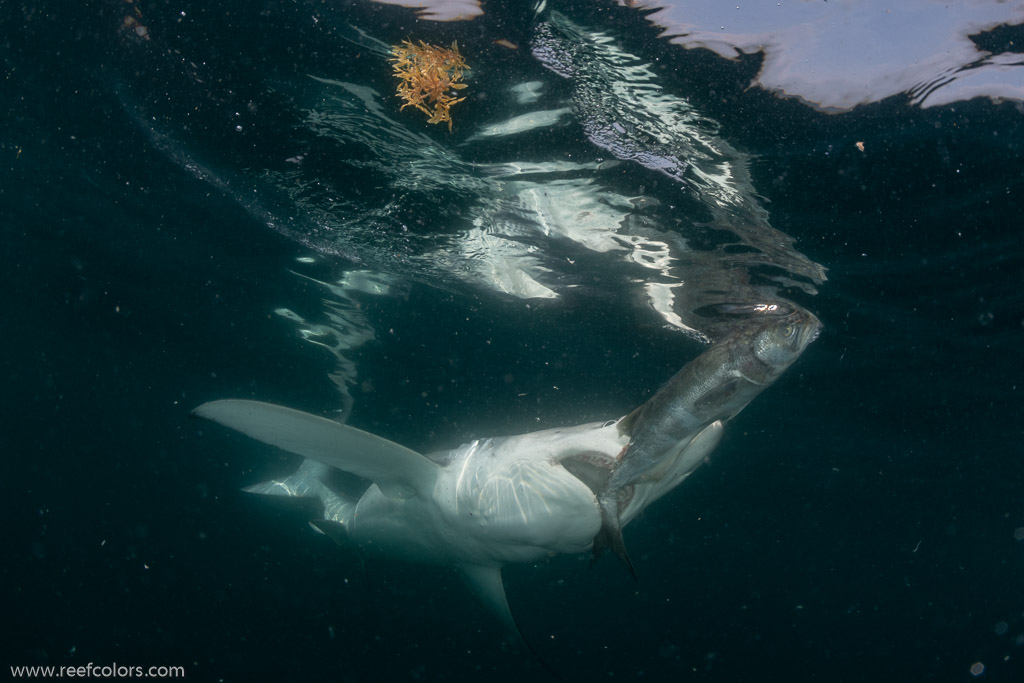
x=860, y=521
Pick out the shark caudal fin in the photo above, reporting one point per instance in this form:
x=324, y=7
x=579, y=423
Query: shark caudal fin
x=398, y=471
x=305, y=482
x=309, y=481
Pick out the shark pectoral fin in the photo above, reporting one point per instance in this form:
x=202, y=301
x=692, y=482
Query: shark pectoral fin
x=398, y=471
x=610, y=535
x=486, y=582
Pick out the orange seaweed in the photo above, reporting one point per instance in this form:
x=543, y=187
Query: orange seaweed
x=429, y=78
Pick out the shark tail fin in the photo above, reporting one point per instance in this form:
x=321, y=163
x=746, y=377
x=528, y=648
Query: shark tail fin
x=309, y=482
x=304, y=482
x=398, y=471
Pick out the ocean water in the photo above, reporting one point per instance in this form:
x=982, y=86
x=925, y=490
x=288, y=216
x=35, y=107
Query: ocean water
x=211, y=201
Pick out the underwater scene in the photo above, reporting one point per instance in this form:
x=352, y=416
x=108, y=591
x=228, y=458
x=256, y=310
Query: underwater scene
x=462, y=340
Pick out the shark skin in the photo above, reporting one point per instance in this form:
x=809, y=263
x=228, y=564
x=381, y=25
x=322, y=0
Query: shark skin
x=492, y=502
x=523, y=498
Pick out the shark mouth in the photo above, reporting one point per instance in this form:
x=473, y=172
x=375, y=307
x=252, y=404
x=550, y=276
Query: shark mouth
x=595, y=469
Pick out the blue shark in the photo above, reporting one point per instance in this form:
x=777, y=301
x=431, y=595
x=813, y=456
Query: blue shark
x=503, y=500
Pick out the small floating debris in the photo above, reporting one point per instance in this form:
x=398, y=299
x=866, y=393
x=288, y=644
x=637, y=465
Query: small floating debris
x=430, y=77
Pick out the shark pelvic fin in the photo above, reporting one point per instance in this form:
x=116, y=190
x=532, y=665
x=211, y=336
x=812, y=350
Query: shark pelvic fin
x=398, y=471
x=331, y=529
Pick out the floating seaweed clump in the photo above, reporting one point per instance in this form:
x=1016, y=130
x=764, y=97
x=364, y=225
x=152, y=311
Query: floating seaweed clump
x=430, y=78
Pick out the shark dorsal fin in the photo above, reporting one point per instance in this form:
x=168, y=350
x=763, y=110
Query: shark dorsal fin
x=398, y=471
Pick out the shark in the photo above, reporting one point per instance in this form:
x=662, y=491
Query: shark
x=523, y=498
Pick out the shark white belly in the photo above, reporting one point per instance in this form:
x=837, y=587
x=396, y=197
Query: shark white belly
x=496, y=501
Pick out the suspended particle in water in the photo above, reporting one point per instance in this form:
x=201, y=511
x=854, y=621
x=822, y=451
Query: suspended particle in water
x=977, y=669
